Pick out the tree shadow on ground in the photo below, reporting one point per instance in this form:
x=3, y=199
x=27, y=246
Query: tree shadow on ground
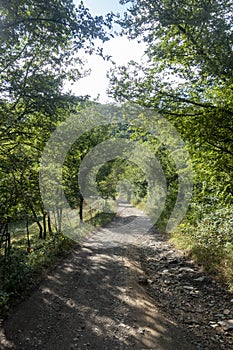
x=92, y=301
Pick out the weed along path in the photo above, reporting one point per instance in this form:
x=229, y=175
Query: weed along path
x=102, y=297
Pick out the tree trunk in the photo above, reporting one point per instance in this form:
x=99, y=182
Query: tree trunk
x=81, y=209
x=28, y=237
x=49, y=224
x=38, y=222
x=55, y=220
x=59, y=220
x=44, y=225
x=6, y=240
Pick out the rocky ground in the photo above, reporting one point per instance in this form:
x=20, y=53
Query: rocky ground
x=184, y=293
x=124, y=288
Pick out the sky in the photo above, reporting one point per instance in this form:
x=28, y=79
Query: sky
x=102, y=7
x=120, y=48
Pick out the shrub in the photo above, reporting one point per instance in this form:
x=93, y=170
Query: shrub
x=210, y=242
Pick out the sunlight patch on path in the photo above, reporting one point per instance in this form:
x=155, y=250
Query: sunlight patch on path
x=121, y=232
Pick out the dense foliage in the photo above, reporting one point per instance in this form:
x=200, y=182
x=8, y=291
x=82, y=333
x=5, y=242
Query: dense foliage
x=39, y=51
x=187, y=76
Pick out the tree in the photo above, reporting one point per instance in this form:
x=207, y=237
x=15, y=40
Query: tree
x=189, y=70
x=73, y=161
x=40, y=40
x=188, y=76
x=39, y=43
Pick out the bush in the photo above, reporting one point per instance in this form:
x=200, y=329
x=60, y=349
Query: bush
x=210, y=242
x=22, y=269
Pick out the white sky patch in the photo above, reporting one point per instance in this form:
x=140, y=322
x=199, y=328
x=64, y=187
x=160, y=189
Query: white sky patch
x=122, y=51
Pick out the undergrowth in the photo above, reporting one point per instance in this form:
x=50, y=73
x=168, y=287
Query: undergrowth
x=207, y=236
x=210, y=242
x=23, y=267
x=101, y=219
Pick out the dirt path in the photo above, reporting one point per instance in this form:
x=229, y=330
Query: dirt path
x=96, y=299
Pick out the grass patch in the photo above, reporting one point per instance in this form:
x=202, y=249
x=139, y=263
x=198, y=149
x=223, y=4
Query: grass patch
x=101, y=219
x=22, y=269
x=210, y=243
